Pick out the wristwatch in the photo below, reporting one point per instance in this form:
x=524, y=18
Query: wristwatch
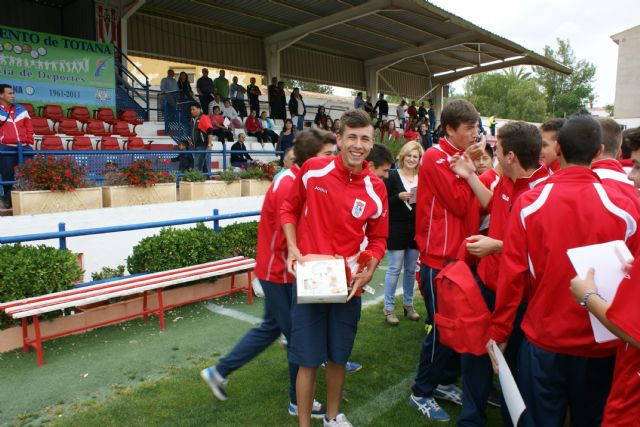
x=586, y=296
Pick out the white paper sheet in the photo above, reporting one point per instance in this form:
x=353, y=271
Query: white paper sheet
x=608, y=260
x=510, y=391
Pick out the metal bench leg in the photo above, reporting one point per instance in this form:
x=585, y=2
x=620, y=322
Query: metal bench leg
x=250, y=287
x=145, y=316
x=38, y=340
x=160, y=309
x=232, y=293
x=25, y=336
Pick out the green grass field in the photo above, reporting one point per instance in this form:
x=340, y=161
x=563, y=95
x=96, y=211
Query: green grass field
x=131, y=374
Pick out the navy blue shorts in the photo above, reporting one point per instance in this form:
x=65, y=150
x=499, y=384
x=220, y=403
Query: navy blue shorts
x=321, y=332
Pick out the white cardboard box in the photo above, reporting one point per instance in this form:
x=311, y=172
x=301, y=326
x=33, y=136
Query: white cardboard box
x=321, y=279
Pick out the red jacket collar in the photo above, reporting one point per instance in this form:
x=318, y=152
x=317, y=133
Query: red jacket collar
x=574, y=174
x=448, y=148
x=340, y=166
x=554, y=167
x=539, y=175
x=626, y=163
x=610, y=164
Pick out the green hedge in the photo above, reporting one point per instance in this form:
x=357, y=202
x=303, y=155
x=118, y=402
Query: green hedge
x=27, y=271
x=176, y=248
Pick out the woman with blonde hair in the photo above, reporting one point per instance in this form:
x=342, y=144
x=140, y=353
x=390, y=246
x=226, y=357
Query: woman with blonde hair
x=401, y=248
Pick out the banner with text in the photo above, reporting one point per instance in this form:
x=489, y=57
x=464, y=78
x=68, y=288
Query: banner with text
x=50, y=69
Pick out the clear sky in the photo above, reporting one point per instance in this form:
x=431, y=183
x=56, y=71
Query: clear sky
x=587, y=24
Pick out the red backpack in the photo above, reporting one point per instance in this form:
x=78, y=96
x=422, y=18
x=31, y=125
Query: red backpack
x=463, y=318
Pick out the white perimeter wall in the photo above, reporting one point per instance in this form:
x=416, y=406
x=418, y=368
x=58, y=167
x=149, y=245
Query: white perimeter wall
x=112, y=249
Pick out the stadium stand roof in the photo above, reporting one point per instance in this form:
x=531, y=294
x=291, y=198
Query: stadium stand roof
x=404, y=47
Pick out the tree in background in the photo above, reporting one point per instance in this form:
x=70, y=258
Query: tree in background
x=309, y=87
x=609, y=108
x=511, y=94
x=566, y=95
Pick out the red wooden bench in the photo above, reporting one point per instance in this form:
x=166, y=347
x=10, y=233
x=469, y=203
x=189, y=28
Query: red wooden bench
x=143, y=284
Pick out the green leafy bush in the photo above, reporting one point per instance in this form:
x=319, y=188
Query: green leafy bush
x=228, y=176
x=176, y=248
x=27, y=271
x=193, y=175
x=108, y=273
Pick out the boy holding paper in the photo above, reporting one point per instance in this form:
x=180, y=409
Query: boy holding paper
x=333, y=205
x=560, y=364
x=518, y=152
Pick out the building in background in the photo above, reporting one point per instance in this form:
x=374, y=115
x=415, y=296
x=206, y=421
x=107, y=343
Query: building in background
x=627, y=107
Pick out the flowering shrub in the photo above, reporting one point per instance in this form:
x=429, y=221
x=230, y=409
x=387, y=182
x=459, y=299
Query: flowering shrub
x=139, y=174
x=50, y=173
x=260, y=170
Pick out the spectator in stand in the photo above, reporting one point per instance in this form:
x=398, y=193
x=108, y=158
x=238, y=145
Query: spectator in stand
x=254, y=94
x=426, y=139
x=222, y=85
x=401, y=114
x=221, y=130
x=358, y=102
x=202, y=132
x=242, y=159
x=272, y=92
x=230, y=113
x=401, y=246
x=380, y=161
x=336, y=126
x=15, y=128
x=184, y=86
x=204, y=86
x=328, y=124
x=253, y=127
x=368, y=106
x=389, y=131
x=382, y=107
x=321, y=117
x=422, y=113
x=169, y=88
x=267, y=128
x=412, y=111
x=549, y=154
x=492, y=125
x=287, y=137
x=432, y=118
x=216, y=102
x=184, y=160
x=412, y=134
x=297, y=109
x=236, y=92
x=279, y=109
x=411, y=121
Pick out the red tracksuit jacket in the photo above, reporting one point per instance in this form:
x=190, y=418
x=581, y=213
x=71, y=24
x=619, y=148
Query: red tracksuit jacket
x=271, y=257
x=623, y=405
x=334, y=209
x=612, y=175
x=505, y=194
x=445, y=212
x=571, y=209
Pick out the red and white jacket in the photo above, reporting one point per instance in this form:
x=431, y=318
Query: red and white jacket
x=334, y=209
x=612, y=175
x=505, y=194
x=15, y=125
x=623, y=405
x=570, y=210
x=445, y=208
x=271, y=256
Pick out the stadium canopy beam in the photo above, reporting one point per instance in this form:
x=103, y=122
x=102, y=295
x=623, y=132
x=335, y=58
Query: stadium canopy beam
x=276, y=43
x=451, y=77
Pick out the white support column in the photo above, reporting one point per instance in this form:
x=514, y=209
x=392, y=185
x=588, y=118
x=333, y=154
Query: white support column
x=371, y=81
x=272, y=61
x=127, y=12
x=437, y=102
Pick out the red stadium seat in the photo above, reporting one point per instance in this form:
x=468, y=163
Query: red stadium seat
x=129, y=116
x=30, y=109
x=122, y=128
x=104, y=114
x=82, y=143
x=69, y=127
x=51, y=142
x=41, y=126
x=53, y=112
x=79, y=113
x=108, y=143
x=96, y=127
x=134, y=144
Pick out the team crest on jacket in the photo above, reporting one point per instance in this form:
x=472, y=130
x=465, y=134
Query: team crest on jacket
x=358, y=208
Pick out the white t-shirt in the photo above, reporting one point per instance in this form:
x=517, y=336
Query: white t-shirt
x=229, y=112
x=400, y=113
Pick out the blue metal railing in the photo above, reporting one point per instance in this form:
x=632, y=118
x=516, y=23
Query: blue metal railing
x=62, y=234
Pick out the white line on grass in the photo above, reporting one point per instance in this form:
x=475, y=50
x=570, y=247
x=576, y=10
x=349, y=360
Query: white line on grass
x=367, y=413
x=235, y=314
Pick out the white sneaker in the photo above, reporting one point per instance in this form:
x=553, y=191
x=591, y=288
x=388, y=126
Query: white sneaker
x=340, y=421
x=317, y=410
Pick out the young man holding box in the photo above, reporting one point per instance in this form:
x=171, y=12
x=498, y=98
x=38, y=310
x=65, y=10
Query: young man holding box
x=332, y=206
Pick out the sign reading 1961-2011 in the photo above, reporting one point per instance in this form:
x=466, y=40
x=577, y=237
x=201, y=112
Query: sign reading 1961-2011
x=50, y=69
